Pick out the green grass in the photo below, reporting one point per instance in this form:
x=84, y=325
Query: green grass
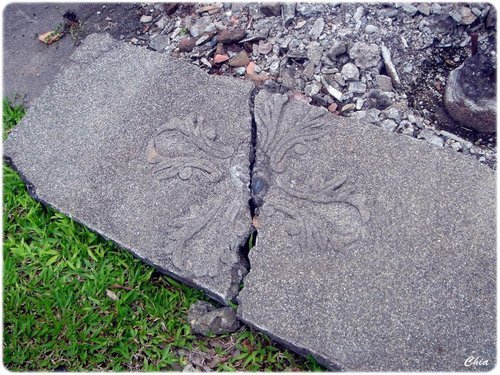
x=74, y=301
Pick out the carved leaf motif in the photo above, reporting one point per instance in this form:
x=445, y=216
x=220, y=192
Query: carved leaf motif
x=205, y=149
x=277, y=136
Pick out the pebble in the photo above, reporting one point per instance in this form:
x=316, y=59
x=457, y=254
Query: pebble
x=187, y=44
x=202, y=25
x=159, y=43
x=240, y=71
x=424, y=8
x=219, y=58
x=467, y=16
x=365, y=55
x=231, y=36
x=360, y=11
x=383, y=82
x=271, y=9
x=146, y=19
x=312, y=89
x=348, y=108
x=317, y=29
x=350, y=72
x=240, y=60
x=336, y=48
x=431, y=137
x=265, y=48
x=288, y=11
x=457, y=146
x=274, y=67
x=357, y=87
x=332, y=107
x=409, y=9
x=389, y=125
x=310, y=9
x=371, y=29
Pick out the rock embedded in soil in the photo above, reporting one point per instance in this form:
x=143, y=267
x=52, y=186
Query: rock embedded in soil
x=375, y=252
x=148, y=151
x=240, y=60
x=187, y=44
x=231, y=36
x=365, y=55
x=470, y=95
x=205, y=319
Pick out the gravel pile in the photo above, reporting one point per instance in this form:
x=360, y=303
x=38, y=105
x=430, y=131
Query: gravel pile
x=386, y=64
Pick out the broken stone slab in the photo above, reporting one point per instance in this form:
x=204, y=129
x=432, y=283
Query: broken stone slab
x=375, y=252
x=150, y=152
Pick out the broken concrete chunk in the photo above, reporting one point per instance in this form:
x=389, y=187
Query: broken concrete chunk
x=150, y=152
x=375, y=252
x=205, y=319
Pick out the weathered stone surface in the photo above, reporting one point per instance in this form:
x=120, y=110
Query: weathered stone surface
x=375, y=251
x=470, y=95
x=151, y=153
x=205, y=319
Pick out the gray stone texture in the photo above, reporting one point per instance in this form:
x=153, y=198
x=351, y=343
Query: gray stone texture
x=151, y=153
x=375, y=251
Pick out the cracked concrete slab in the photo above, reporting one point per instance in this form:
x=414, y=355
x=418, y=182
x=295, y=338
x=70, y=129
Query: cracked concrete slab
x=148, y=151
x=375, y=251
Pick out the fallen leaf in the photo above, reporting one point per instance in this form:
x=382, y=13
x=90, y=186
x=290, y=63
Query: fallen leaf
x=111, y=295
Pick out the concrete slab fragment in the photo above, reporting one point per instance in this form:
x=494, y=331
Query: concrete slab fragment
x=151, y=153
x=375, y=251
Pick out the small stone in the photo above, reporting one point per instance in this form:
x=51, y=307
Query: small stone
x=383, y=82
x=218, y=59
x=357, y=87
x=265, y=48
x=431, y=137
x=332, y=107
x=271, y=9
x=288, y=11
x=360, y=11
x=159, y=43
x=205, y=62
x=456, y=15
x=187, y=44
x=312, y=89
x=348, y=108
x=436, y=8
x=162, y=23
x=317, y=29
x=371, y=29
x=350, y=72
x=314, y=54
x=134, y=41
x=310, y=9
x=389, y=125
x=365, y=55
x=146, y=19
x=337, y=47
x=409, y=9
x=202, y=25
x=203, y=39
x=274, y=67
x=231, y=36
x=205, y=319
x=491, y=19
x=408, y=130
x=240, y=71
x=467, y=16
x=457, y=146
x=393, y=114
x=424, y=8
x=241, y=59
